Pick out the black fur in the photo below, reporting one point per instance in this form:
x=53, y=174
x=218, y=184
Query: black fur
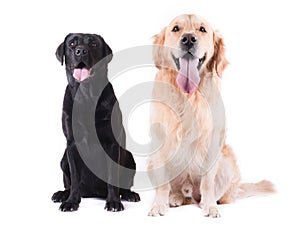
x=79, y=180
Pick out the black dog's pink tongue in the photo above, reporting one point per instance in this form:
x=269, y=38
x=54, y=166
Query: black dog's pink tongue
x=81, y=74
x=188, y=77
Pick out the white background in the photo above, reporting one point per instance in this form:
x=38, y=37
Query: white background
x=260, y=91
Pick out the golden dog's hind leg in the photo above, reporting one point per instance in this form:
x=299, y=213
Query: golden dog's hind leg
x=227, y=178
x=176, y=199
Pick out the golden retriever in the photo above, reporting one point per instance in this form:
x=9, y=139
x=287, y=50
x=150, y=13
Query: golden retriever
x=193, y=163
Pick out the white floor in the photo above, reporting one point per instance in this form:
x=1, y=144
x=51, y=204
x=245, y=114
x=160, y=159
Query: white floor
x=269, y=214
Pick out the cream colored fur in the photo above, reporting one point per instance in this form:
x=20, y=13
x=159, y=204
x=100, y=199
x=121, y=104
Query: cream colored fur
x=183, y=124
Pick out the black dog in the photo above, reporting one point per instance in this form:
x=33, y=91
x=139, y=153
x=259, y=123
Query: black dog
x=92, y=172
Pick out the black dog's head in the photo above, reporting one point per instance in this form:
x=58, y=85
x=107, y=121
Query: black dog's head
x=81, y=52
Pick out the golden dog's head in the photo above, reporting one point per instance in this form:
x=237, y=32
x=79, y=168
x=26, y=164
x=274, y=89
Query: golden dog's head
x=191, y=46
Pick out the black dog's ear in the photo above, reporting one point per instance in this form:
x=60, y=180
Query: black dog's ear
x=106, y=49
x=60, y=53
x=108, y=52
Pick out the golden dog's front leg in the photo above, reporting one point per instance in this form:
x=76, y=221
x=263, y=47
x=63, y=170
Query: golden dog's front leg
x=161, y=202
x=207, y=190
x=158, y=170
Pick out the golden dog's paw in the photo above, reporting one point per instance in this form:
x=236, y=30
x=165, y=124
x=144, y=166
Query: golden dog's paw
x=212, y=212
x=159, y=210
x=176, y=200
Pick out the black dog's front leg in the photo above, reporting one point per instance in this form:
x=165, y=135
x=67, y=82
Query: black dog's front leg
x=72, y=203
x=62, y=196
x=113, y=201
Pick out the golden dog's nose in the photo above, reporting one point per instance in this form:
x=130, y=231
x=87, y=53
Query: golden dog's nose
x=188, y=40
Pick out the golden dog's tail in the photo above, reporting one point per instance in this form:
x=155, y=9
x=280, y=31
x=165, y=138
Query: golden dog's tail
x=263, y=187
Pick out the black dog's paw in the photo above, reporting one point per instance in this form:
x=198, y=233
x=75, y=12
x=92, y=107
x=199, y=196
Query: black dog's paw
x=60, y=196
x=131, y=196
x=69, y=206
x=114, y=206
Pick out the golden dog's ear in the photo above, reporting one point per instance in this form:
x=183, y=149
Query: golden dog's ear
x=157, y=51
x=218, y=62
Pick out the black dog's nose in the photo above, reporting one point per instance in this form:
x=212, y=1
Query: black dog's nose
x=80, y=51
x=188, y=40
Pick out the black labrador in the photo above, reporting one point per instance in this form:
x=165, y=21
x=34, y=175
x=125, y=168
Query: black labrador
x=89, y=171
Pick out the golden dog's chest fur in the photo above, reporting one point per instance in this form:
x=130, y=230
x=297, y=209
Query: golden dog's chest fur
x=185, y=128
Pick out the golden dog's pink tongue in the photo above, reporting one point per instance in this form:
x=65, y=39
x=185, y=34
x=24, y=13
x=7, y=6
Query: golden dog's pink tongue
x=188, y=77
x=81, y=74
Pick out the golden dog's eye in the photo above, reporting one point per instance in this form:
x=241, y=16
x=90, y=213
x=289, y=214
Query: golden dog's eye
x=202, y=29
x=175, y=29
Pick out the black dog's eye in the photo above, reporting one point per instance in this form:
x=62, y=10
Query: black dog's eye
x=175, y=29
x=202, y=29
x=93, y=44
x=72, y=44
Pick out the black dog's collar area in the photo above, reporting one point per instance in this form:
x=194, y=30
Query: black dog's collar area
x=176, y=60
